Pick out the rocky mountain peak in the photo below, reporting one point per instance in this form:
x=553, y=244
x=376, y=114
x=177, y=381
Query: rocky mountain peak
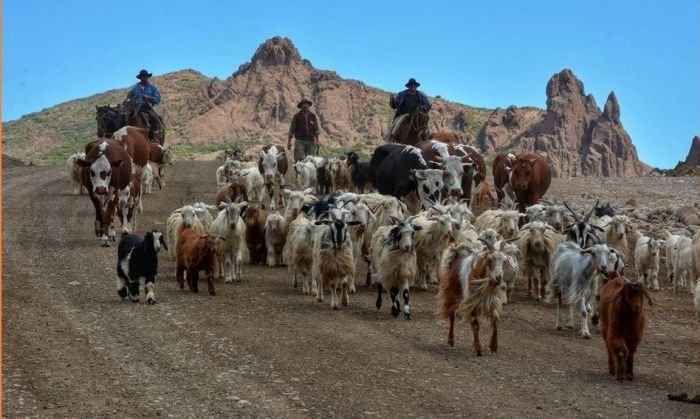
x=612, y=108
x=276, y=51
x=694, y=153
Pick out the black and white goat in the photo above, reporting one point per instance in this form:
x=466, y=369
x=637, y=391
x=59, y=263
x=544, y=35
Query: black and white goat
x=138, y=257
x=581, y=231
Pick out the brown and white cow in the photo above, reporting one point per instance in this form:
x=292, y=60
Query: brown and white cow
x=475, y=176
x=454, y=164
x=106, y=170
x=273, y=165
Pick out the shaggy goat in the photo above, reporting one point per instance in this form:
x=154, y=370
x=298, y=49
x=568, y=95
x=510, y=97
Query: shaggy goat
x=537, y=242
x=75, y=172
x=333, y=264
x=195, y=252
x=581, y=231
x=683, y=267
x=573, y=281
x=255, y=217
x=622, y=323
x=504, y=222
x=428, y=242
x=305, y=172
x=472, y=284
x=393, y=262
x=671, y=242
x=179, y=217
x=298, y=252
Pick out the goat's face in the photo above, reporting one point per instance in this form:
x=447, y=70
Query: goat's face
x=234, y=212
x=100, y=172
x=124, y=197
x=400, y=236
x=295, y=200
x=600, y=258
x=188, y=213
x=616, y=261
x=351, y=158
x=361, y=212
x=554, y=215
x=654, y=245
x=521, y=173
x=508, y=223
x=430, y=184
x=337, y=167
x=268, y=161
x=168, y=157
x=536, y=237
x=633, y=295
x=489, y=237
x=444, y=222
x=618, y=226
x=155, y=240
x=535, y=213
x=392, y=208
x=275, y=222
x=495, y=266
x=337, y=227
x=582, y=234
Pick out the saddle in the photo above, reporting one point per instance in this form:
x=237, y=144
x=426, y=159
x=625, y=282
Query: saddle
x=397, y=123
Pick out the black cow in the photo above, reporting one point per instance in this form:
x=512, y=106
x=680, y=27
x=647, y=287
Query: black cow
x=398, y=170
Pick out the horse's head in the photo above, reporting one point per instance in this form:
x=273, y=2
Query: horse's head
x=419, y=122
x=109, y=120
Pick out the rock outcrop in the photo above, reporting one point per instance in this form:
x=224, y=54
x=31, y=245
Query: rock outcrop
x=693, y=157
x=574, y=135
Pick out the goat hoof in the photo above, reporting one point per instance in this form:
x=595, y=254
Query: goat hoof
x=629, y=377
x=228, y=281
x=407, y=316
x=395, y=311
x=594, y=320
x=559, y=328
x=122, y=293
x=151, y=301
x=586, y=335
x=212, y=293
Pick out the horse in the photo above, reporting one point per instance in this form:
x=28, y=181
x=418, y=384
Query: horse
x=141, y=120
x=109, y=120
x=411, y=129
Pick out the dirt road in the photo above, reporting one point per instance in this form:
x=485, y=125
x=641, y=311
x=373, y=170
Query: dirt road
x=72, y=347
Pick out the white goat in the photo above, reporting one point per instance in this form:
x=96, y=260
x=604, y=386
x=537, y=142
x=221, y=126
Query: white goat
x=683, y=264
x=696, y=300
x=537, y=242
x=75, y=172
x=230, y=226
x=147, y=181
x=671, y=242
x=305, y=174
x=298, y=252
x=510, y=269
x=646, y=260
x=359, y=212
x=253, y=181
x=429, y=241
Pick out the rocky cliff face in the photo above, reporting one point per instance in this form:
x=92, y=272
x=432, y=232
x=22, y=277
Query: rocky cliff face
x=574, y=135
x=693, y=156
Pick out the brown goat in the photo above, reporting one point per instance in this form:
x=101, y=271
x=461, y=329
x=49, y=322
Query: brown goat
x=482, y=194
x=195, y=252
x=622, y=323
x=232, y=191
x=255, y=217
x=484, y=297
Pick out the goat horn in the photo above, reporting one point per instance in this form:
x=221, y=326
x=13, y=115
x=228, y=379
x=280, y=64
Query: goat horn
x=578, y=220
x=585, y=220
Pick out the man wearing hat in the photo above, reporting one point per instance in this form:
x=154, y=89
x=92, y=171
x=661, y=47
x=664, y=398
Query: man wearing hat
x=304, y=129
x=411, y=99
x=146, y=95
x=406, y=103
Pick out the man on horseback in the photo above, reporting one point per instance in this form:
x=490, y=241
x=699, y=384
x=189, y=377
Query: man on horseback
x=406, y=103
x=145, y=95
x=304, y=128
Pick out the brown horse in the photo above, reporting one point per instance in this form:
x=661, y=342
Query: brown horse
x=412, y=129
x=140, y=119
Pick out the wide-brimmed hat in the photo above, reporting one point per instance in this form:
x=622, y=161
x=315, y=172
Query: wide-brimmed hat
x=143, y=73
x=412, y=81
x=303, y=101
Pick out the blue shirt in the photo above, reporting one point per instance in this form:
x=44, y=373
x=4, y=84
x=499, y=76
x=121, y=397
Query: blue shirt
x=149, y=90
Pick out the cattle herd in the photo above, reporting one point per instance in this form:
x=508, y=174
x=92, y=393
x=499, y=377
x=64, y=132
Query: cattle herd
x=406, y=215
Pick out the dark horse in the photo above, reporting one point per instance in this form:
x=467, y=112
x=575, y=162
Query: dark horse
x=412, y=129
x=110, y=119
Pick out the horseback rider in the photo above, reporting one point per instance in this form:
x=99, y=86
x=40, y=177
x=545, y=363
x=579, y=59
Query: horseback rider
x=304, y=128
x=408, y=101
x=145, y=96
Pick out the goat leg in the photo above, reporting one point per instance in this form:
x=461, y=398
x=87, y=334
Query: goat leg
x=630, y=367
x=451, y=333
x=395, y=307
x=494, y=335
x=475, y=331
x=379, y=296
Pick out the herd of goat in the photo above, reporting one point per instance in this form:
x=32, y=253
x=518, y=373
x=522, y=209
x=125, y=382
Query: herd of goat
x=418, y=229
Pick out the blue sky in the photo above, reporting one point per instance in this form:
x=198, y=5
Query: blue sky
x=489, y=54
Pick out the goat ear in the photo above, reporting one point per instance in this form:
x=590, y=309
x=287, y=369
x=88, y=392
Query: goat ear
x=308, y=191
